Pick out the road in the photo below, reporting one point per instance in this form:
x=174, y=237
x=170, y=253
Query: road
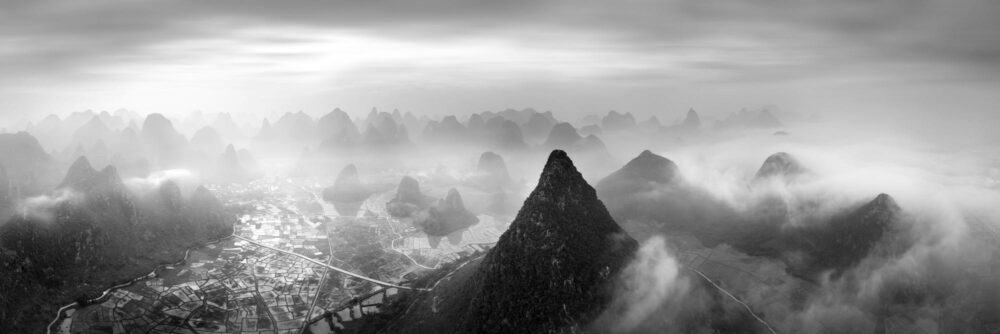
x=736, y=299
x=332, y=267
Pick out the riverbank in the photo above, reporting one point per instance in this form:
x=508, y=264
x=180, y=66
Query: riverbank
x=65, y=313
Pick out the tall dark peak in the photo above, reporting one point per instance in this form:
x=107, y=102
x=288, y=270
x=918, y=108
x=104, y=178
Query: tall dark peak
x=563, y=135
x=556, y=259
x=347, y=187
x=643, y=173
x=447, y=216
x=408, y=198
x=780, y=164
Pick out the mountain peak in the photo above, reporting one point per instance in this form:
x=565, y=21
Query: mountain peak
x=556, y=258
x=80, y=171
x=559, y=171
x=780, y=164
x=652, y=167
x=646, y=172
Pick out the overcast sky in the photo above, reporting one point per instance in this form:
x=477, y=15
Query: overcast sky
x=852, y=57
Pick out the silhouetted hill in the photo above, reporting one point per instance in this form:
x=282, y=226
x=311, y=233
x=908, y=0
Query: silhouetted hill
x=780, y=164
x=347, y=187
x=408, y=200
x=645, y=172
x=491, y=171
x=691, y=121
x=447, y=216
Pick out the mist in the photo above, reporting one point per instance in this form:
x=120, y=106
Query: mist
x=638, y=167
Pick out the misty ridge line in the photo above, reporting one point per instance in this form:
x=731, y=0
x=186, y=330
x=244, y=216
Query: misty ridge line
x=718, y=174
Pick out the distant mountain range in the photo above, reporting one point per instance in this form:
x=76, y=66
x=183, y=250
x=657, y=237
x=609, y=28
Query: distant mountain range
x=650, y=195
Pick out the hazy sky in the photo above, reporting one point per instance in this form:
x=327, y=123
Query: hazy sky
x=836, y=57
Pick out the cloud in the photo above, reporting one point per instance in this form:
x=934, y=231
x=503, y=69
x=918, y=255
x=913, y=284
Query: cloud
x=40, y=207
x=652, y=282
x=184, y=178
x=946, y=234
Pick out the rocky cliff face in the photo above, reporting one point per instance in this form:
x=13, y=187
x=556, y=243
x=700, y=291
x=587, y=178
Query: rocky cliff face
x=550, y=270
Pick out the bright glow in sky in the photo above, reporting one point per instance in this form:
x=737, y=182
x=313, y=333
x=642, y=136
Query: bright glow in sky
x=438, y=57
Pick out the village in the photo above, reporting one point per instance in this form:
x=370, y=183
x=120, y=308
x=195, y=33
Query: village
x=292, y=259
